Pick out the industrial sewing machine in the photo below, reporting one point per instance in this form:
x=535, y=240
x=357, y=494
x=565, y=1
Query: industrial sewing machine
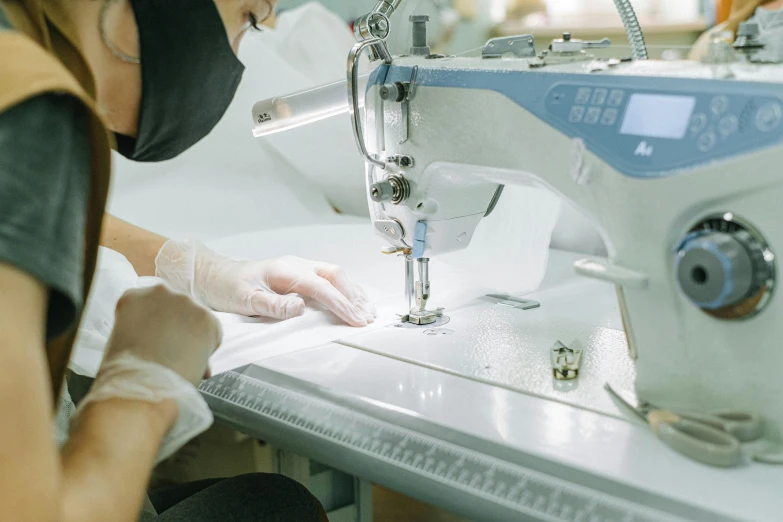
x=676, y=162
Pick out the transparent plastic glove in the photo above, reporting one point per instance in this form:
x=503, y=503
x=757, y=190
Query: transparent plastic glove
x=159, y=350
x=261, y=288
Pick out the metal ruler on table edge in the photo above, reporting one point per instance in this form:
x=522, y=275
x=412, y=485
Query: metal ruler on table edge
x=294, y=414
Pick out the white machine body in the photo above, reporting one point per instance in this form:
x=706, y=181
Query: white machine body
x=677, y=163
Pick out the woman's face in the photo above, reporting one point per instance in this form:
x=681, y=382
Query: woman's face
x=119, y=82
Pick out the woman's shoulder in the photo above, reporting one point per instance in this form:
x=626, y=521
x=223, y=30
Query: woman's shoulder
x=29, y=69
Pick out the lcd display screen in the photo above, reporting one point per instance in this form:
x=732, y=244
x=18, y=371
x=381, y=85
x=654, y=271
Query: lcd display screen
x=658, y=116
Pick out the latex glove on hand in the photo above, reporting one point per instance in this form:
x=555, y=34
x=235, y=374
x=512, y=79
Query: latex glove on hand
x=159, y=350
x=261, y=288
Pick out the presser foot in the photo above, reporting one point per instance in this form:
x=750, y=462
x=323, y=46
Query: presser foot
x=422, y=317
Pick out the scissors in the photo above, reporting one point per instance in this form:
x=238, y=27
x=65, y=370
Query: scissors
x=714, y=440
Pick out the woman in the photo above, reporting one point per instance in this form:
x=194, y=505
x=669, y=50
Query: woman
x=154, y=77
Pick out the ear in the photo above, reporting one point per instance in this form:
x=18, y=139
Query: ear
x=120, y=26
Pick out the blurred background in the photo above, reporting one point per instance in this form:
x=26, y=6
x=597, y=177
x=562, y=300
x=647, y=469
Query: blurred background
x=462, y=25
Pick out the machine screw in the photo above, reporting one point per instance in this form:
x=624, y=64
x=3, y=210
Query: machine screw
x=395, y=92
x=420, y=47
x=395, y=189
x=382, y=191
x=382, y=26
x=402, y=160
x=375, y=25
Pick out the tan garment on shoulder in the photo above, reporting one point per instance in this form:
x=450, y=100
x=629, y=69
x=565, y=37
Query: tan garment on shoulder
x=42, y=56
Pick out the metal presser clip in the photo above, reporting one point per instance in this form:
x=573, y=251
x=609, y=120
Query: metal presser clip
x=566, y=361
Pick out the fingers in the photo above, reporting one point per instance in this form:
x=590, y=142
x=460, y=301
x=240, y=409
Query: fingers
x=353, y=292
x=322, y=291
x=368, y=306
x=340, y=280
x=274, y=306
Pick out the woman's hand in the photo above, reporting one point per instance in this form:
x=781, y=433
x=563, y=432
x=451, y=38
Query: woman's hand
x=262, y=288
x=156, y=325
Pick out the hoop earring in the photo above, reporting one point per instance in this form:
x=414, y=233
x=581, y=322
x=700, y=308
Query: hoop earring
x=105, y=36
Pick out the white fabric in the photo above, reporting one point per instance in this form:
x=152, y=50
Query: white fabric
x=114, y=275
x=315, y=43
x=298, y=29
x=576, y=233
x=499, y=261
x=509, y=254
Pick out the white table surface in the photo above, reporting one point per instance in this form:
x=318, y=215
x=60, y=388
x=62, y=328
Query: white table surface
x=604, y=444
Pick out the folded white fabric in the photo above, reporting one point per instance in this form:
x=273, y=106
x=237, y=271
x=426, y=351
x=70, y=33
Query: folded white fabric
x=114, y=275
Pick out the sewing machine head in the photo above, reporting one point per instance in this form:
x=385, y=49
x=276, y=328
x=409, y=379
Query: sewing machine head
x=676, y=162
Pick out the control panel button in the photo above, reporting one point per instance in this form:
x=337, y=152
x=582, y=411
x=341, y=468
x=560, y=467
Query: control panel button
x=616, y=98
x=599, y=97
x=719, y=105
x=728, y=125
x=698, y=123
x=609, y=117
x=707, y=141
x=576, y=114
x=769, y=116
x=593, y=115
x=583, y=95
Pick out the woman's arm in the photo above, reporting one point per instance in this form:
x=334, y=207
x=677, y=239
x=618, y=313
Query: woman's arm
x=109, y=456
x=140, y=246
x=106, y=465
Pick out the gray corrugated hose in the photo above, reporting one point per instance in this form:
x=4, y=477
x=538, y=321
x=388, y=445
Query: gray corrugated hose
x=632, y=29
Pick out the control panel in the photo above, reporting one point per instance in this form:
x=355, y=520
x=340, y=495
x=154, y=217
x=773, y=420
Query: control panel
x=643, y=126
x=651, y=132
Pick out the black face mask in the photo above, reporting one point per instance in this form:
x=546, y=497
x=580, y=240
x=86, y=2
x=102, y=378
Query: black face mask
x=189, y=77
